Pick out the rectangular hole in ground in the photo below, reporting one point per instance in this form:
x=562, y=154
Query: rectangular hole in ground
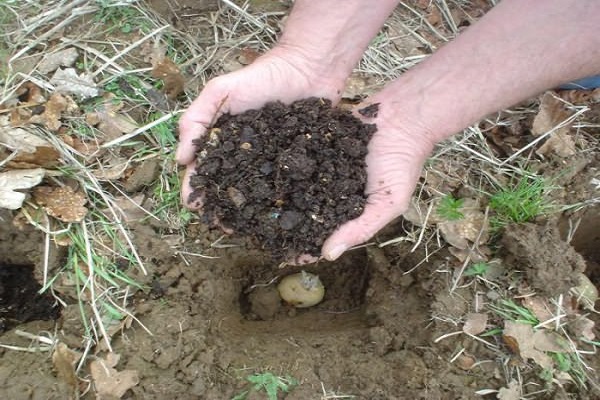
x=345, y=283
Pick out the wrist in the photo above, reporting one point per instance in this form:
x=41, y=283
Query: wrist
x=489, y=67
x=404, y=112
x=325, y=41
x=317, y=76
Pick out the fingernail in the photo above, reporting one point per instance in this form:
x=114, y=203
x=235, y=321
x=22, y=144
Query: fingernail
x=336, y=251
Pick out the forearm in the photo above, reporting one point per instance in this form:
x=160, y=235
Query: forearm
x=330, y=36
x=517, y=50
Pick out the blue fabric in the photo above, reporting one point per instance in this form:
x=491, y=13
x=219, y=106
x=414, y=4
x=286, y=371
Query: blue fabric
x=591, y=82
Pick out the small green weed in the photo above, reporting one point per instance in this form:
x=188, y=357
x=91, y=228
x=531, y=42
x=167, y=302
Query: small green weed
x=511, y=311
x=477, y=269
x=127, y=87
x=164, y=133
x=269, y=383
x=546, y=374
x=115, y=16
x=520, y=202
x=492, y=332
x=168, y=201
x=571, y=364
x=566, y=362
x=449, y=208
x=82, y=129
x=175, y=51
x=166, y=191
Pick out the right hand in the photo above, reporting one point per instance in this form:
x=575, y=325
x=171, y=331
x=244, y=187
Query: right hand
x=281, y=74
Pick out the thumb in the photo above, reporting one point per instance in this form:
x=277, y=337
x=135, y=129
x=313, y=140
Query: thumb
x=203, y=111
x=375, y=216
x=189, y=130
x=187, y=191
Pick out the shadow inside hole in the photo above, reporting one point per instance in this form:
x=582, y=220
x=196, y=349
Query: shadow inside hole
x=20, y=300
x=586, y=240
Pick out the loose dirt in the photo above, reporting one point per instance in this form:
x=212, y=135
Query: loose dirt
x=549, y=263
x=285, y=175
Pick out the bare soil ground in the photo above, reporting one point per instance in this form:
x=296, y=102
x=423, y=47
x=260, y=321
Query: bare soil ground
x=398, y=315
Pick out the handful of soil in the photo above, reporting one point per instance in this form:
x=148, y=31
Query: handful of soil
x=286, y=175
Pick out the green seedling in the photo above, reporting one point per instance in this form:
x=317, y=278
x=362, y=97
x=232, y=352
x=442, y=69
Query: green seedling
x=127, y=87
x=492, y=332
x=571, y=364
x=163, y=302
x=166, y=191
x=563, y=361
x=269, y=383
x=176, y=51
x=449, y=208
x=164, y=133
x=83, y=130
x=112, y=312
x=476, y=269
x=122, y=17
x=511, y=311
x=168, y=201
x=546, y=375
x=520, y=202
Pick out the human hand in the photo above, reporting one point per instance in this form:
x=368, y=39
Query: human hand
x=280, y=75
x=396, y=156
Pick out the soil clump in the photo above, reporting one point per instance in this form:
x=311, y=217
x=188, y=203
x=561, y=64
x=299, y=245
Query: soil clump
x=286, y=175
x=549, y=262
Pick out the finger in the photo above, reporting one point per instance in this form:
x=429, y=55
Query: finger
x=187, y=191
x=192, y=125
x=357, y=231
x=206, y=109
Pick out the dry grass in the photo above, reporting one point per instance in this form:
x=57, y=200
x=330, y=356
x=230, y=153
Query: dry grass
x=109, y=53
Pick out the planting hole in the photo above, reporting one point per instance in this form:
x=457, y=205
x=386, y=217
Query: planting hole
x=345, y=283
x=586, y=241
x=20, y=300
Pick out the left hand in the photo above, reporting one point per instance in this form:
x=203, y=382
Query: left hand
x=396, y=156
